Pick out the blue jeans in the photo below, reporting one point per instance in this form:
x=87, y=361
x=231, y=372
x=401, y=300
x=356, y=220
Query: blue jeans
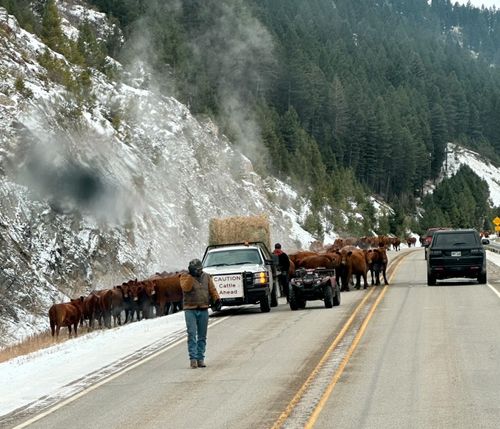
x=196, y=324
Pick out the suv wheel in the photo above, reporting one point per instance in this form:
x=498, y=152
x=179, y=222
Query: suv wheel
x=431, y=280
x=482, y=279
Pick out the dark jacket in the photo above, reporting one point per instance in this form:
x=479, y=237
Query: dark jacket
x=283, y=260
x=198, y=292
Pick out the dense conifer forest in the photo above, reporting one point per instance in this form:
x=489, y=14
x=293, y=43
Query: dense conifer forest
x=349, y=97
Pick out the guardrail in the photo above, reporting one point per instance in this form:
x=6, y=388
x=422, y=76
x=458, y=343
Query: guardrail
x=493, y=246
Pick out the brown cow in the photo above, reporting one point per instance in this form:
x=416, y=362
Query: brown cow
x=315, y=261
x=167, y=292
x=91, y=309
x=338, y=243
x=291, y=270
x=120, y=302
x=294, y=257
x=148, y=296
x=396, y=244
x=380, y=265
x=353, y=263
x=335, y=258
x=411, y=241
x=340, y=269
x=66, y=314
x=142, y=295
x=376, y=260
x=316, y=246
x=105, y=306
x=129, y=301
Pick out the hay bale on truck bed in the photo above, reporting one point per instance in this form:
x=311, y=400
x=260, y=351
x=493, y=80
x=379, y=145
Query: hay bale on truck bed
x=238, y=229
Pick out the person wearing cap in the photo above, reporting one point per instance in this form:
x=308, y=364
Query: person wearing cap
x=199, y=292
x=284, y=264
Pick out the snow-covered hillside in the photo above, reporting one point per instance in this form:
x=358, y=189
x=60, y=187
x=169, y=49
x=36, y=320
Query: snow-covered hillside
x=89, y=201
x=119, y=185
x=457, y=156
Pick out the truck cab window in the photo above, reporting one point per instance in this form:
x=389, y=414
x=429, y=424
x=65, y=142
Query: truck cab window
x=233, y=257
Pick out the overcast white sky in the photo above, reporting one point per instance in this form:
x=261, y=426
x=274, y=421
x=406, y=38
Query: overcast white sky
x=479, y=3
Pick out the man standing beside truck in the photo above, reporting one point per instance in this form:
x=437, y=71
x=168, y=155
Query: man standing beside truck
x=284, y=264
x=198, y=291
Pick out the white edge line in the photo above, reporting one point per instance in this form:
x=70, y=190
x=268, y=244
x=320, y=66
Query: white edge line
x=493, y=289
x=112, y=377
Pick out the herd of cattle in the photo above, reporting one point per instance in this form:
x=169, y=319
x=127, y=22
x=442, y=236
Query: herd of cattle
x=155, y=296
x=161, y=294
x=350, y=257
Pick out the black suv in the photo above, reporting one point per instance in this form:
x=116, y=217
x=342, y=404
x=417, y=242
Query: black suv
x=456, y=253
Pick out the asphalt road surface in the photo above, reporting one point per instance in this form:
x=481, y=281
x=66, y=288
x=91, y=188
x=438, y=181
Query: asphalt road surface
x=419, y=357
x=430, y=358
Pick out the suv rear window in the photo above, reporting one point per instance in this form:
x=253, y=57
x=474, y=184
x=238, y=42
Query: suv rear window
x=455, y=239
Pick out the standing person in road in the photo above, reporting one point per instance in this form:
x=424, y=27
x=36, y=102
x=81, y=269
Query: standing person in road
x=198, y=291
x=284, y=264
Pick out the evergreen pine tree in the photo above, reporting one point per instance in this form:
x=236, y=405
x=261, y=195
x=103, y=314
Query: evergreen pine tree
x=51, y=31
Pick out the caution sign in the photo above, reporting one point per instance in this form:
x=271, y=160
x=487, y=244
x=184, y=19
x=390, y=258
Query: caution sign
x=496, y=221
x=497, y=228
x=229, y=285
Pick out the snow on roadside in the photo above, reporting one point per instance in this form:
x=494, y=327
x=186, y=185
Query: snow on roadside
x=28, y=378
x=493, y=257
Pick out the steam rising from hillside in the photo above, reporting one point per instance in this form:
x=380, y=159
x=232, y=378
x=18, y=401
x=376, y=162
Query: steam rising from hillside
x=234, y=49
x=237, y=51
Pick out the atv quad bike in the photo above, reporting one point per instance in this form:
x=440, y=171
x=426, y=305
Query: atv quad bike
x=313, y=284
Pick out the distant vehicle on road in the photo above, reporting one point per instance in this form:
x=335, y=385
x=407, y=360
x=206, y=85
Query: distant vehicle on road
x=456, y=253
x=427, y=238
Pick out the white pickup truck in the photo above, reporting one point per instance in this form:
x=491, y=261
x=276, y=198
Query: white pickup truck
x=243, y=273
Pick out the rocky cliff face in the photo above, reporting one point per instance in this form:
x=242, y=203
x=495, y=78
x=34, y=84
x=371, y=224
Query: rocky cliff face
x=117, y=186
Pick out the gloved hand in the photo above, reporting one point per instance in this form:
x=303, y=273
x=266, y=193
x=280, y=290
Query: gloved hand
x=217, y=305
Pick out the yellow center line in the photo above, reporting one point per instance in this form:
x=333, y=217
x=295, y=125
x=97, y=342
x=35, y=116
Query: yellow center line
x=326, y=395
x=300, y=393
x=288, y=410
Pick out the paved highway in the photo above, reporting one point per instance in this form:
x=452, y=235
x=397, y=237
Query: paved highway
x=430, y=358
x=407, y=355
